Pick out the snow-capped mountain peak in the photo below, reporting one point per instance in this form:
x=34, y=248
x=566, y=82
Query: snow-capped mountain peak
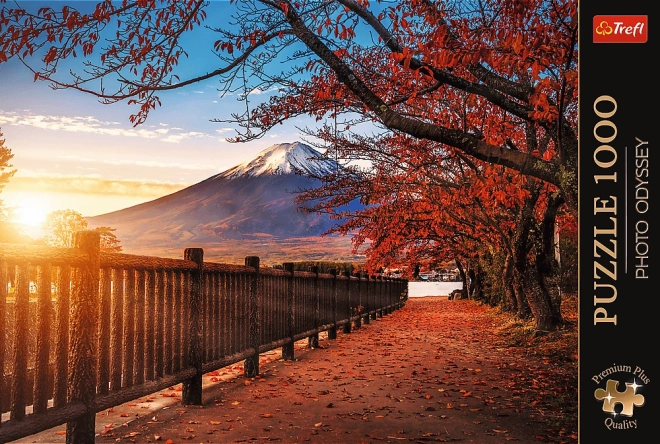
x=283, y=158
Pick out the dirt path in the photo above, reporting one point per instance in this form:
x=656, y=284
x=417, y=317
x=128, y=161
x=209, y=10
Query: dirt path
x=433, y=371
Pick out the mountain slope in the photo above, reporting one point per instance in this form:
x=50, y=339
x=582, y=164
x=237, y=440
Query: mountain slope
x=253, y=200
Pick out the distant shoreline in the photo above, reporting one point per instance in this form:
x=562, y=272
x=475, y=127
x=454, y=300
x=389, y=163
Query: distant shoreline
x=429, y=289
x=431, y=297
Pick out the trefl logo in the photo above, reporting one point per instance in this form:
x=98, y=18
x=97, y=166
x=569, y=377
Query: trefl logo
x=621, y=28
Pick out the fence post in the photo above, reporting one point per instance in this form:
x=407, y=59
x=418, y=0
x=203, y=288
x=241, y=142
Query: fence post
x=21, y=336
x=374, y=292
x=371, y=297
x=117, y=329
x=313, y=340
x=129, y=329
x=251, y=365
x=380, y=281
x=103, y=316
x=287, y=349
x=159, y=324
x=367, y=299
x=404, y=292
x=139, y=340
x=192, y=388
x=395, y=294
x=40, y=389
x=376, y=297
x=150, y=325
x=83, y=339
x=332, y=332
x=396, y=297
x=391, y=285
x=4, y=279
x=390, y=294
x=62, y=338
x=359, y=308
x=347, y=325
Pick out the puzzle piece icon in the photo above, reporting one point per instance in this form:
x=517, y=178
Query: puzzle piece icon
x=611, y=396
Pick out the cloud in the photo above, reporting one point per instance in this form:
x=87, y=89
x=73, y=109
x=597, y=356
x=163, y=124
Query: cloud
x=93, y=185
x=141, y=163
x=258, y=91
x=176, y=138
x=89, y=124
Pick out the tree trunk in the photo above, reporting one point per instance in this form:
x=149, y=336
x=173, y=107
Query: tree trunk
x=540, y=306
x=510, y=302
x=471, y=282
x=546, y=264
x=477, y=285
x=521, y=248
x=524, y=311
x=535, y=278
x=464, y=279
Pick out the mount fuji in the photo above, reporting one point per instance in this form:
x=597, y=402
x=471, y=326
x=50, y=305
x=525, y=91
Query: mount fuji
x=247, y=209
x=283, y=158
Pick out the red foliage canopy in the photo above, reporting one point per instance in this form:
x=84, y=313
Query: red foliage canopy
x=470, y=75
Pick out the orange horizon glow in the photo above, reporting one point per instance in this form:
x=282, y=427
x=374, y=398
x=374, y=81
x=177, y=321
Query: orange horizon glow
x=31, y=212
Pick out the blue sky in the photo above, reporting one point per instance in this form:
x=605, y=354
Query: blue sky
x=72, y=152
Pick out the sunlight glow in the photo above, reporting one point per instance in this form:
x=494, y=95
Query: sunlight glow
x=31, y=212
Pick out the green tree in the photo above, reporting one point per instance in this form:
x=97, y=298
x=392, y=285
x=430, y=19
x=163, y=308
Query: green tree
x=109, y=241
x=60, y=225
x=8, y=232
x=6, y=172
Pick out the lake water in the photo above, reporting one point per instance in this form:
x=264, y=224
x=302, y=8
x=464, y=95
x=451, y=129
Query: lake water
x=418, y=289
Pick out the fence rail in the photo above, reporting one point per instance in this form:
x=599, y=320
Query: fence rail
x=82, y=330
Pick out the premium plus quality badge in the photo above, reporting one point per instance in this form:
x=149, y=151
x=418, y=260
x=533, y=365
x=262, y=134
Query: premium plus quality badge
x=619, y=405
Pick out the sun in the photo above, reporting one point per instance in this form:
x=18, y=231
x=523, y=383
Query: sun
x=31, y=213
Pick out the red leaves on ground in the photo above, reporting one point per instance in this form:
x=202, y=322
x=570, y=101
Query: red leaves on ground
x=384, y=381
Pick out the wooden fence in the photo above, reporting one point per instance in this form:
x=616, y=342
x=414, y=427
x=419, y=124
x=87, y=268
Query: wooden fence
x=82, y=331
